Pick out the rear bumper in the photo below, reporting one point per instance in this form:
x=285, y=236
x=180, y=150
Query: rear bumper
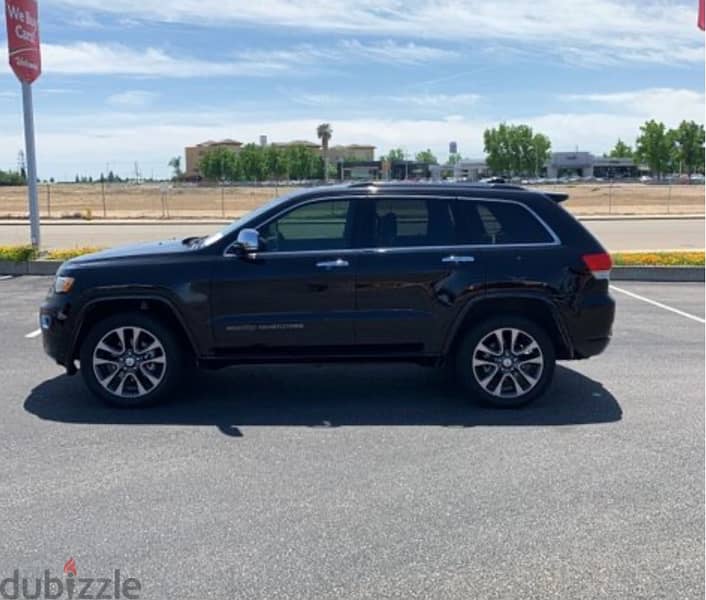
x=590, y=326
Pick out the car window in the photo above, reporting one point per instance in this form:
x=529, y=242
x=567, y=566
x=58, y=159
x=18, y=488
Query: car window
x=316, y=226
x=498, y=223
x=412, y=222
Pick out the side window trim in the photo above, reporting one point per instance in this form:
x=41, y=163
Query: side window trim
x=357, y=200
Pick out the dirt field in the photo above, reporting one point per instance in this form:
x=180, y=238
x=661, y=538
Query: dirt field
x=149, y=200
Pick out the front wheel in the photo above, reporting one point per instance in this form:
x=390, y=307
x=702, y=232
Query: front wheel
x=506, y=362
x=130, y=360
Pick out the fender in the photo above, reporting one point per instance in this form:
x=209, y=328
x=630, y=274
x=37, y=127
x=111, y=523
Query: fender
x=510, y=294
x=136, y=296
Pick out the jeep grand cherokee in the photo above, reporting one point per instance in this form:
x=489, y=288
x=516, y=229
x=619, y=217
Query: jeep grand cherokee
x=495, y=280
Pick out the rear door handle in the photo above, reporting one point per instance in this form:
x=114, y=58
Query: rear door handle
x=458, y=259
x=332, y=264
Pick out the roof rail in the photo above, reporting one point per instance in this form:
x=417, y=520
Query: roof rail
x=358, y=184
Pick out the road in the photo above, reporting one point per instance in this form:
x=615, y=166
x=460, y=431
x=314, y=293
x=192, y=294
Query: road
x=367, y=481
x=641, y=234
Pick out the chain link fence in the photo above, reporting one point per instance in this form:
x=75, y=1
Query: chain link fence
x=127, y=201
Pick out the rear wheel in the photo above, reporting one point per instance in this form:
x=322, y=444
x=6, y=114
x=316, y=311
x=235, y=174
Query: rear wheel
x=130, y=360
x=506, y=361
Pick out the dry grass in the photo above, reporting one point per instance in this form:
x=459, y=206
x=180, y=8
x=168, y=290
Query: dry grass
x=132, y=201
x=633, y=198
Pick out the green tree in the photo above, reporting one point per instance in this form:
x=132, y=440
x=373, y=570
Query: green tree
x=454, y=159
x=277, y=165
x=515, y=149
x=540, y=154
x=219, y=164
x=394, y=154
x=252, y=163
x=689, y=146
x=621, y=150
x=175, y=164
x=426, y=157
x=11, y=178
x=324, y=133
x=655, y=147
x=302, y=162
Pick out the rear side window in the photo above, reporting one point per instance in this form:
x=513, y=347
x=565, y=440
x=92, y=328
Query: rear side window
x=498, y=223
x=412, y=222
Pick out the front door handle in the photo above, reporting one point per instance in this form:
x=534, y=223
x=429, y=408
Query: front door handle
x=458, y=259
x=332, y=264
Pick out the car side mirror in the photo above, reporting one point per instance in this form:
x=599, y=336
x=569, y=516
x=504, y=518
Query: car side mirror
x=248, y=241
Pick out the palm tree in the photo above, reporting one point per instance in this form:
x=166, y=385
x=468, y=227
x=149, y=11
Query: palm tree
x=175, y=163
x=324, y=133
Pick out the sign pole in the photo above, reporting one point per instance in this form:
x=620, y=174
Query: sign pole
x=31, y=164
x=25, y=58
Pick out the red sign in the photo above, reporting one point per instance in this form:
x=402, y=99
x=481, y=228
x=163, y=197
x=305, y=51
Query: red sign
x=23, y=38
x=702, y=16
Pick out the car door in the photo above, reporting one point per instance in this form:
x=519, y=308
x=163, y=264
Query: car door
x=296, y=294
x=412, y=274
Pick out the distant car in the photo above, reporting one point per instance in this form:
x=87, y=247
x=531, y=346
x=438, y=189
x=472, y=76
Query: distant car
x=645, y=179
x=697, y=178
x=495, y=280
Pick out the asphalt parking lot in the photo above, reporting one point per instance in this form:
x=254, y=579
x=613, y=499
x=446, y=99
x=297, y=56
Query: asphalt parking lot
x=367, y=481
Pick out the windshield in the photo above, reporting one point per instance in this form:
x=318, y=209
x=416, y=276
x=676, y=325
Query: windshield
x=245, y=219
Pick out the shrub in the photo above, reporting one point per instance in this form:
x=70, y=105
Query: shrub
x=650, y=259
x=67, y=253
x=17, y=253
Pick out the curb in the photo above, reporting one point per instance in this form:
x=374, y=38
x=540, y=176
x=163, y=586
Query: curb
x=31, y=267
x=674, y=274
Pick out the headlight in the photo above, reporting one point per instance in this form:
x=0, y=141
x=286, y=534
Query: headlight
x=63, y=285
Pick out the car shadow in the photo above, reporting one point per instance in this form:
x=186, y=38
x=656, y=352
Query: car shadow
x=328, y=396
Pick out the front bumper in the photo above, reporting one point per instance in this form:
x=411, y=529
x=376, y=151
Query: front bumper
x=57, y=332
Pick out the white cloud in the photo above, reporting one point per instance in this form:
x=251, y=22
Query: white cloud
x=600, y=31
x=89, y=58
x=376, y=103
x=664, y=104
x=394, y=52
x=441, y=101
x=132, y=98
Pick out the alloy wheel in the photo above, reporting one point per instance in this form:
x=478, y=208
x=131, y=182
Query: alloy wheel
x=507, y=362
x=129, y=362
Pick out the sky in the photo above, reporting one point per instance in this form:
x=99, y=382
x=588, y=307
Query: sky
x=137, y=80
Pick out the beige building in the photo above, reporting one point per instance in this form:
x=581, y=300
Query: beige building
x=351, y=152
x=194, y=154
x=336, y=154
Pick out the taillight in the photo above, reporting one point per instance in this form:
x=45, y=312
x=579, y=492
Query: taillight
x=599, y=264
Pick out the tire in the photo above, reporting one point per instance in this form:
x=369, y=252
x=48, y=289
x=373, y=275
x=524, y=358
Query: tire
x=142, y=371
x=501, y=378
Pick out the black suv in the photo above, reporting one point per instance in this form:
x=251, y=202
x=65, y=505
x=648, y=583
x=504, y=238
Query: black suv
x=495, y=280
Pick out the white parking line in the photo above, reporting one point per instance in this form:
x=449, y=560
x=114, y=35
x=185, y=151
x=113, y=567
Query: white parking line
x=34, y=334
x=659, y=304
x=4, y=277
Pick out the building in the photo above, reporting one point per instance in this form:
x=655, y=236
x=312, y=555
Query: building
x=585, y=164
x=194, y=154
x=349, y=154
x=561, y=164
